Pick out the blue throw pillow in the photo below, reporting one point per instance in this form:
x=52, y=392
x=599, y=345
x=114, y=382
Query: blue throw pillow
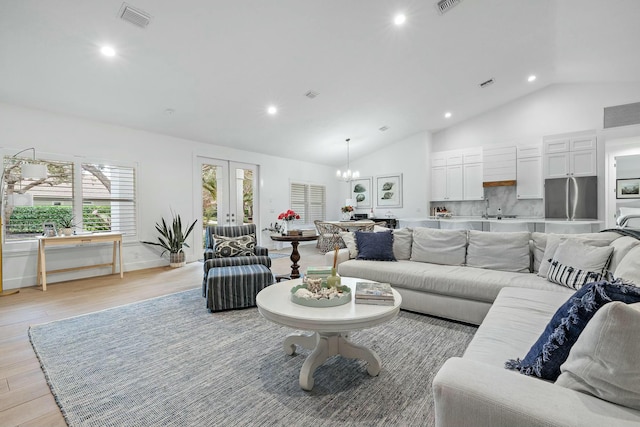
x=375, y=246
x=553, y=346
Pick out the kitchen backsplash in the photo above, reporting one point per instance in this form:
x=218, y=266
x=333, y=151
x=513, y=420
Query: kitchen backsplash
x=499, y=197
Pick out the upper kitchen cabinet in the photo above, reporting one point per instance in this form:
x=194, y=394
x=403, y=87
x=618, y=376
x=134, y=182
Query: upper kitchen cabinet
x=529, y=172
x=570, y=155
x=456, y=175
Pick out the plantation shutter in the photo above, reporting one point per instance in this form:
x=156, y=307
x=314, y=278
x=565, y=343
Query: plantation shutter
x=317, y=200
x=308, y=201
x=109, y=198
x=298, y=197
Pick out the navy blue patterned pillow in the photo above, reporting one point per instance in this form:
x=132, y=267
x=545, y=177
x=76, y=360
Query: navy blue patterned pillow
x=552, y=347
x=375, y=246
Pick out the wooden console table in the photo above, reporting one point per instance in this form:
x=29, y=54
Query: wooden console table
x=82, y=239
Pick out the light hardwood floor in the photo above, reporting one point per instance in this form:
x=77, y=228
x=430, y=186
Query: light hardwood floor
x=25, y=399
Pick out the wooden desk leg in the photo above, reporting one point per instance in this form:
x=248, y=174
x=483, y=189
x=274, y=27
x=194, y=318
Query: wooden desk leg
x=43, y=265
x=113, y=258
x=295, y=257
x=120, y=250
x=38, y=269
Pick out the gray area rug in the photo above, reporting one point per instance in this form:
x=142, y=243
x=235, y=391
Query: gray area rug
x=168, y=362
x=275, y=255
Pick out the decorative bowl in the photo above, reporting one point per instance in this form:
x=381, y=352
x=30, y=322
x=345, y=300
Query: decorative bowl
x=321, y=302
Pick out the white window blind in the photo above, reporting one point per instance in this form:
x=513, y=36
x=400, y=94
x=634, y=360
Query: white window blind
x=308, y=201
x=108, y=198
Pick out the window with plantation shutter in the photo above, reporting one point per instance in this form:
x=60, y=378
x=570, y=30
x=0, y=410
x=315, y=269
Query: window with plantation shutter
x=108, y=198
x=308, y=201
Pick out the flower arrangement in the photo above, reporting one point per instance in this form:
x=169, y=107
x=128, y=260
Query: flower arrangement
x=288, y=215
x=346, y=209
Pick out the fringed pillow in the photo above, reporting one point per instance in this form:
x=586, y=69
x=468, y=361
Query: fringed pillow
x=552, y=347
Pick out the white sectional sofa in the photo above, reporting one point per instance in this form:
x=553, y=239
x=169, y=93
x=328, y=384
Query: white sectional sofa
x=512, y=307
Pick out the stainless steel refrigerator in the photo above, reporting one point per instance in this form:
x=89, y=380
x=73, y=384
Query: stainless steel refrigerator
x=571, y=198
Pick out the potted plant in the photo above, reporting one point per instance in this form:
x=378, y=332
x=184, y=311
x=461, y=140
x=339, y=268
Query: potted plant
x=66, y=224
x=173, y=239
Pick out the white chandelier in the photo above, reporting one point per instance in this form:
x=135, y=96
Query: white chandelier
x=347, y=175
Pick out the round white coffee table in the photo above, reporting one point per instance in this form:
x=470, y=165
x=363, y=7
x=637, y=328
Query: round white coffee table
x=330, y=326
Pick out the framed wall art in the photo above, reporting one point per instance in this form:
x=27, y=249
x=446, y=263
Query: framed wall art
x=361, y=192
x=628, y=188
x=389, y=191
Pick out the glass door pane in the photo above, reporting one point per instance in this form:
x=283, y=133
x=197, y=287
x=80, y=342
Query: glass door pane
x=243, y=191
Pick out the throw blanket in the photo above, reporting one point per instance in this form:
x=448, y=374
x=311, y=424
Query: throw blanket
x=624, y=232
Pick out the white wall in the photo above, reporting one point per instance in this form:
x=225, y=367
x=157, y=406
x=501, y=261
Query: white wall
x=556, y=109
x=409, y=157
x=165, y=181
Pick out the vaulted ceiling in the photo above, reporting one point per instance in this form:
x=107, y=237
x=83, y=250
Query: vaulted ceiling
x=207, y=70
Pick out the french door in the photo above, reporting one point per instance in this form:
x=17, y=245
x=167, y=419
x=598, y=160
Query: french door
x=228, y=192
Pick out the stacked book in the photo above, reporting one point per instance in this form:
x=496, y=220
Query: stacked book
x=308, y=232
x=318, y=272
x=374, y=293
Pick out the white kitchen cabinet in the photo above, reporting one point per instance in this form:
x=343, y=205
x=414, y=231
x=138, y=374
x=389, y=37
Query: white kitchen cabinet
x=499, y=164
x=454, y=183
x=472, y=182
x=570, y=155
x=456, y=175
x=529, y=178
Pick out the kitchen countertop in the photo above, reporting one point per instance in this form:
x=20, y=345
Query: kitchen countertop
x=518, y=219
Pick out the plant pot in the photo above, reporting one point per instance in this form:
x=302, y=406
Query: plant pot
x=177, y=259
x=67, y=231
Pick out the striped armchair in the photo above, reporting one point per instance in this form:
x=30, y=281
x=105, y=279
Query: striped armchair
x=210, y=261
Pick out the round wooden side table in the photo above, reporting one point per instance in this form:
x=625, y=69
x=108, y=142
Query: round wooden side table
x=295, y=255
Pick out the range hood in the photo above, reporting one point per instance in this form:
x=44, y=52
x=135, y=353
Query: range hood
x=507, y=183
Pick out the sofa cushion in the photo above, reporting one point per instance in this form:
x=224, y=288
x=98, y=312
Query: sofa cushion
x=507, y=251
x=436, y=246
x=552, y=347
x=469, y=283
x=553, y=241
x=375, y=246
x=604, y=360
x=349, y=239
x=234, y=246
x=402, y=241
x=629, y=267
x=539, y=243
x=621, y=248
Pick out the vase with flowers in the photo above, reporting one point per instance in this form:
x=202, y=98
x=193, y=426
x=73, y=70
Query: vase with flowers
x=287, y=217
x=346, y=212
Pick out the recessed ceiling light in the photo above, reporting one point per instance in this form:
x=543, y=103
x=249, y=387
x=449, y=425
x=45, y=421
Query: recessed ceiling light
x=447, y=115
x=272, y=109
x=531, y=78
x=399, y=19
x=108, y=51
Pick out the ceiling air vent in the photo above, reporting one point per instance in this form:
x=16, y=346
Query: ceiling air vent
x=487, y=83
x=622, y=115
x=383, y=128
x=444, y=6
x=311, y=94
x=134, y=16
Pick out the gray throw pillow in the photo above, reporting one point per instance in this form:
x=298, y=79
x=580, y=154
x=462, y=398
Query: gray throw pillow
x=402, y=240
x=554, y=240
x=436, y=246
x=629, y=267
x=505, y=251
x=583, y=256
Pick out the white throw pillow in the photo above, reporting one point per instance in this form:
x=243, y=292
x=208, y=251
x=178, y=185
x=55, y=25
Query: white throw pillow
x=554, y=240
x=603, y=361
x=349, y=239
x=505, y=251
x=436, y=246
x=629, y=267
x=579, y=254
